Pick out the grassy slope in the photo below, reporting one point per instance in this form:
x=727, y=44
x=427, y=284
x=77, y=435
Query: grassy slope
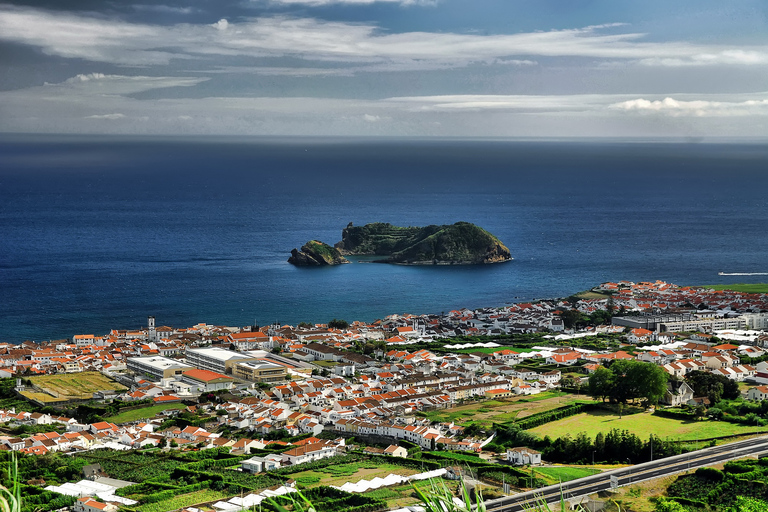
x=142, y=412
x=741, y=287
x=499, y=411
x=555, y=474
x=640, y=424
x=485, y=350
x=76, y=384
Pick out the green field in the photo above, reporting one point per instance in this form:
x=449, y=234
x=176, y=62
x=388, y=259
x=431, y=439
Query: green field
x=641, y=424
x=741, y=287
x=590, y=294
x=142, y=412
x=75, y=385
x=43, y=398
x=491, y=350
x=556, y=474
x=487, y=412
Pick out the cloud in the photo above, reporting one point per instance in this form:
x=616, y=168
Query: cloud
x=165, y=9
x=322, y=3
x=119, y=42
x=491, y=102
x=106, y=116
x=700, y=108
x=107, y=104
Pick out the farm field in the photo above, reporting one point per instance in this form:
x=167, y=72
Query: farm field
x=485, y=350
x=185, y=500
x=44, y=398
x=640, y=424
x=499, y=411
x=75, y=385
x=399, y=496
x=741, y=287
x=352, y=472
x=142, y=412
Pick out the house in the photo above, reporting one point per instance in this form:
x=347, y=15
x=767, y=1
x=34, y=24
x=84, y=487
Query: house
x=260, y=464
x=757, y=393
x=396, y=451
x=308, y=452
x=677, y=393
x=91, y=505
x=523, y=455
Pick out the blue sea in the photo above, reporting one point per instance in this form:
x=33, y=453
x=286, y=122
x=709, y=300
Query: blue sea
x=100, y=232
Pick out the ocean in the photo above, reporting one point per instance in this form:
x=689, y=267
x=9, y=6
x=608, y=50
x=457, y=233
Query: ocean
x=98, y=233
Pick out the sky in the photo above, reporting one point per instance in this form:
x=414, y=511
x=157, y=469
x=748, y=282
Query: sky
x=693, y=69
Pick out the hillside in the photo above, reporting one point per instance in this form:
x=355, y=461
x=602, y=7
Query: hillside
x=455, y=244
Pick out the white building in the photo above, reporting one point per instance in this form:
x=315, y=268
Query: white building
x=523, y=455
x=157, y=367
x=215, y=359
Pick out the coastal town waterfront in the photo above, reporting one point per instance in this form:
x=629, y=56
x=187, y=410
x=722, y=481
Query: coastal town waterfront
x=263, y=411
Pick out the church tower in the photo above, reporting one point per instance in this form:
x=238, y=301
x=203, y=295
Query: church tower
x=151, y=332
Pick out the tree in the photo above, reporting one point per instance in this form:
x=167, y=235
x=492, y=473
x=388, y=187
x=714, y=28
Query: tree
x=338, y=324
x=714, y=387
x=601, y=383
x=572, y=318
x=636, y=379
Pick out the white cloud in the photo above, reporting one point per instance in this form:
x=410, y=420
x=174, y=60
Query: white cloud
x=165, y=9
x=119, y=42
x=321, y=3
x=106, y=116
x=75, y=106
x=700, y=108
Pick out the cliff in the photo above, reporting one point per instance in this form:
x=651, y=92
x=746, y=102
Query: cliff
x=316, y=254
x=455, y=244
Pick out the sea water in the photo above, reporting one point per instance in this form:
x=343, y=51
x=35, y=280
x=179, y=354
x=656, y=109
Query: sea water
x=100, y=232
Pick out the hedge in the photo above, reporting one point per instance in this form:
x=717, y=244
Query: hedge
x=541, y=418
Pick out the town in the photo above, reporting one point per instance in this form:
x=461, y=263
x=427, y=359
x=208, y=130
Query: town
x=419, y=395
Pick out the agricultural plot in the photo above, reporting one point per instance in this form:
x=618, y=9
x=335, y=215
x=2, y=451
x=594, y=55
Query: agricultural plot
x=43, y=398
x=741, y=485
x=75, y=385
x=491, y=350
x=185, y=500
x=142, y=412
x=340, y=474
x=488, y=412
x=640, y=424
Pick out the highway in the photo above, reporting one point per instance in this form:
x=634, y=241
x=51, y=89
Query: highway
x=631, y=474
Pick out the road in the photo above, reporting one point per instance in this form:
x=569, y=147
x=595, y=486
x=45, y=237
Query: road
x=631, y=474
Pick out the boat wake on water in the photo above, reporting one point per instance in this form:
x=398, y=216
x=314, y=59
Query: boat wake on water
x=742, y=273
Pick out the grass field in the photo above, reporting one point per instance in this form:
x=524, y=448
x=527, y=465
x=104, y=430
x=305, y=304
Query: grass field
x=499, y=411
x=589, y=294
x=485, y=350
x=640, y=424
x=556, y=474
x=741, y=287
x=44, y=398
x=75, y=385
x=142, y=412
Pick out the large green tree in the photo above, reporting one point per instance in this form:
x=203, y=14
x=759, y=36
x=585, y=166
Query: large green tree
x=601, y=383
x=629, y=380
x=714, y=387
